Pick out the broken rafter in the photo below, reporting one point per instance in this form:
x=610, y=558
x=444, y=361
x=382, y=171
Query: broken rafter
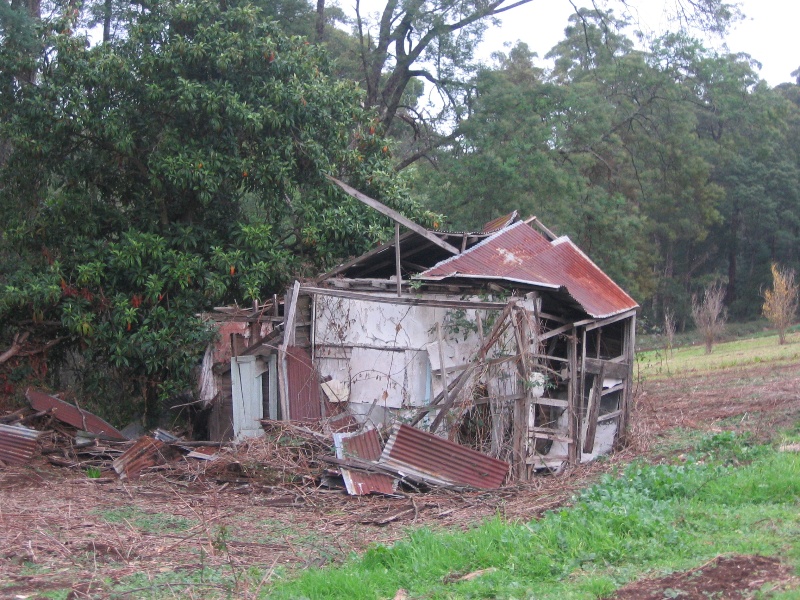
x=395, y=216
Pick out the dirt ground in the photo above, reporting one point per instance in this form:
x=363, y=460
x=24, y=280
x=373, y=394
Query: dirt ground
x=723, y=577
x=60, y=529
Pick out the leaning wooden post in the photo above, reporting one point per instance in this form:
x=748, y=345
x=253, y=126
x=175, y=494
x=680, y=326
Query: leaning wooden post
x=572, y=392
x=442, y=368
x=627, y=391
x=520, y=422
x=288, y=340
x=397, y=259
x=593, y=411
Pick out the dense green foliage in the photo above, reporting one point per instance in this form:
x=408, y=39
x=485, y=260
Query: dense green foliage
x=177, y=167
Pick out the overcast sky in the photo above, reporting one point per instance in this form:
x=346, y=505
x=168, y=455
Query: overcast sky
x=768, y=34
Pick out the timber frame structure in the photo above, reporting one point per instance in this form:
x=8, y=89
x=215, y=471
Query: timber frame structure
x=508, y=340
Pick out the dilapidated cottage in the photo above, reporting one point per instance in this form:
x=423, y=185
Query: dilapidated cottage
x=508, y=340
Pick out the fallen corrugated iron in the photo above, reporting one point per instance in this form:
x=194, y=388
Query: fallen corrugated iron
x=146, y=452
x=72, y=415
x=203, y=453
x=427, y=457
x=366, y=446
x=17, y=444
x=303, y=385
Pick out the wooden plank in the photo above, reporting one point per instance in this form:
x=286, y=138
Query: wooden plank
x=603, y=322
x=551, y=402
x=617, y=388
x=549, y=430
x=546, y=462
x=611, y=369
x=550, y=317
x=395, y=216
x=609, y=416
x=556, y=331
x=553, y=437
x=413, y=301
x=592, y=412
x=462, y=366
x=359, y=259
x=535, y=221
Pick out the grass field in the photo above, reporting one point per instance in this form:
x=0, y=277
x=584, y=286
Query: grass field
x=692, y=360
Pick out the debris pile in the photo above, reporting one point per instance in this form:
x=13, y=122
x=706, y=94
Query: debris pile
x=322, y=454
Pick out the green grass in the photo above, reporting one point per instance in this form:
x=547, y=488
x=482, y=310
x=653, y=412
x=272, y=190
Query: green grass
x=689, y=360
x=147, y=521
x=729, y=497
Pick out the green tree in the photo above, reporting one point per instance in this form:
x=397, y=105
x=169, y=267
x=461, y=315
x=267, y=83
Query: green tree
x=411, y=42
x=174, y=168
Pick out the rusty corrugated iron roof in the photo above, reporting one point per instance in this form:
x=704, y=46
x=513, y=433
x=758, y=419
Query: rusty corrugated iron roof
x=17, y=444
x=72, y=415
x=366, y=446
x=522, y=255
x=427, y=457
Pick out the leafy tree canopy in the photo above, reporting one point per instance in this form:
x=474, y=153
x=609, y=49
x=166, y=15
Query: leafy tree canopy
x=171, y=169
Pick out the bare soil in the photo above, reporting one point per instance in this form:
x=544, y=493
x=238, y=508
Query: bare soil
x=722, y=578
x=60, y=529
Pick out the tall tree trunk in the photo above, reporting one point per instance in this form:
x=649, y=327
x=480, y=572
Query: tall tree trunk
x=320, y=20
x=733, y=257
x=34, y=10
x=107, y=21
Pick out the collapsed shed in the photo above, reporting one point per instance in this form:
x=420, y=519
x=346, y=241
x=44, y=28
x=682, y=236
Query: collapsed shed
x=508, y=340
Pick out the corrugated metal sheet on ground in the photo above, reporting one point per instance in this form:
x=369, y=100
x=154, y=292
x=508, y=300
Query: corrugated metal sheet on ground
x=17, y=444
x=146, y=452
x=521, y=254
x=303, y=385
x=72, y=415
x=430, y=458
x=366, y=446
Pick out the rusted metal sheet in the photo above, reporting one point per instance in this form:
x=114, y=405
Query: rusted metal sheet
x=430, y=458
x=521, y=254
x=72, y=415
x=17, y=444
x=146, y=452
x=500, y=222
x=343, y=423
x=303, y=385
x=366, y=446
